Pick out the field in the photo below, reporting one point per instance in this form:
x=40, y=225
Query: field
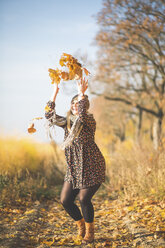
x=131, y=199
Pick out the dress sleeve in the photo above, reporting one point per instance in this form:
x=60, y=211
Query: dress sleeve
x=52, y=117
x=82, y=109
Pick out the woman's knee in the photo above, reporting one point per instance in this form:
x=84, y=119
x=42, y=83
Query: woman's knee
x=84, y=200
x=64, y=201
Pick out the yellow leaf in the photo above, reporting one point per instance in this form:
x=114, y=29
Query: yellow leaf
x=30, y=211
x=55, y=75
x=43, y=209
x=153, y=191
x=49, y=243
x=47, y=108
x=106, y=202
x=131, y=208
x=75, y=69
x=163, y=213
x=62, y=61
x=23, y=217
x=67, y=55
x=77, y=241
x=64, y=241
x=37, y=118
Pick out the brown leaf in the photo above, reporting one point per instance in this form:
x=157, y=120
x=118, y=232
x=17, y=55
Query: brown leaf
x=31, y=128
x=65, y=75
x=86, y=71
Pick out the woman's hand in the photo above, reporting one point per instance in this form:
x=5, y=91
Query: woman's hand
x=55, y=92
x=82, y=86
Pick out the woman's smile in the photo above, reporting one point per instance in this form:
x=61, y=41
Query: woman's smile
x=74, y=107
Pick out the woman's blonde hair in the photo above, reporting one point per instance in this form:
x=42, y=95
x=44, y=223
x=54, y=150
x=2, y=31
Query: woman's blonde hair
x=69, y=113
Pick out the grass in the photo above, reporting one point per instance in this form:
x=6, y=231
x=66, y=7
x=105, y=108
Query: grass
x=137, y=170
x=29, y=169
x=34, y=171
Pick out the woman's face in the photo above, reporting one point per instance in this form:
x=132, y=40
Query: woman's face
x=74, y=107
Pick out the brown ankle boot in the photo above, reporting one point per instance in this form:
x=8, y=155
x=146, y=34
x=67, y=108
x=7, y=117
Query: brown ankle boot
x=81, y=227
x=89, y=235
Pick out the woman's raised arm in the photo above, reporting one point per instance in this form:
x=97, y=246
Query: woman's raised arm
x=55, y=92
x=50, y=114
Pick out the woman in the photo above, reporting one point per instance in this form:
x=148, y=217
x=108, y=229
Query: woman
x=85, y=163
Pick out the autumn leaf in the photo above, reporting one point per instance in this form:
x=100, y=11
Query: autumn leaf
x=77, y=240
x=37, y=118
x=47, y=108
x=64, y=241
x=71, y=75
x=31, y=128
x=30, y=211
x=65, y=75
x=62, y=61
x=67, y=55
x=86, y=71
x=74, y=67
x=55, y=75
x=77, y=71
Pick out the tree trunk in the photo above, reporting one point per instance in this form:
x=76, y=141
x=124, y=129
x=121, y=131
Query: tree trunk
x=139, y=126
x=151, y=131
x=157, y=129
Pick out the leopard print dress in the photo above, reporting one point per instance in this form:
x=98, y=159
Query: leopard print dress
x=85, y=162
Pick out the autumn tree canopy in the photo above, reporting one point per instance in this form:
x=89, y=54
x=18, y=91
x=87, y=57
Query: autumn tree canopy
x=131, y=56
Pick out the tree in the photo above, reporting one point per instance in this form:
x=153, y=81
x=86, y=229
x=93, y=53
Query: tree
x=131, y=57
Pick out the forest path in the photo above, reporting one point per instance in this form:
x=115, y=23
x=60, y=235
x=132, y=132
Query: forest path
x=118, y=223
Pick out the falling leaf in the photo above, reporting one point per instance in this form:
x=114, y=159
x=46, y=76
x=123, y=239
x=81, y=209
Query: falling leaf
x=37, y=118
x=31, y=128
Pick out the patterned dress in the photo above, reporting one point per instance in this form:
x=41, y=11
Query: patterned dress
x=85, y=162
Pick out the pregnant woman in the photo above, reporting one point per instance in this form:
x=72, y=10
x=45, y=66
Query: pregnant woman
x=85, y=163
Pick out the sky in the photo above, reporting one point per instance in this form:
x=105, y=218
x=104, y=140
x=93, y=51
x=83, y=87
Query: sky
x=34, y=34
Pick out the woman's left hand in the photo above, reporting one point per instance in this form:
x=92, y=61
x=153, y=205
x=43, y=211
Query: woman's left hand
x=82, y=85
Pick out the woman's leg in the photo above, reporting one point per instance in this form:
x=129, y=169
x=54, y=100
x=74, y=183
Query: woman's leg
x=85, y=196
x=68, y=195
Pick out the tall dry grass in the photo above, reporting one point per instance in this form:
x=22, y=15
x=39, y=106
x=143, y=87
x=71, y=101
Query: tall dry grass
x=137, y=170
x=33, y=170
x=29, y=169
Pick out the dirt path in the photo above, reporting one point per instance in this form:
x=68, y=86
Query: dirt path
x=117, y=224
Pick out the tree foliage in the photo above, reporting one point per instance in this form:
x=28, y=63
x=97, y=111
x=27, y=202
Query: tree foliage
x=131, y=61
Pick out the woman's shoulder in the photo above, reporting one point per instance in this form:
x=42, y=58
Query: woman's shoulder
x=91, y=117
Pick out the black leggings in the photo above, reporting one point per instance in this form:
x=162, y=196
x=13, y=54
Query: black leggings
x=68, y=195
